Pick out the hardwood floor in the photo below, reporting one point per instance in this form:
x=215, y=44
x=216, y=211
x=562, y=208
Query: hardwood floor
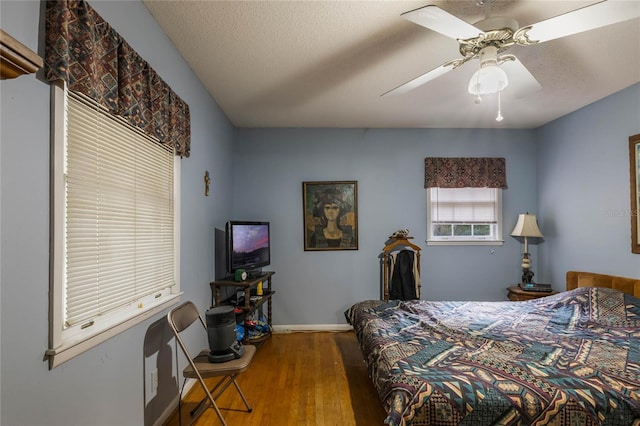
x=296, y=379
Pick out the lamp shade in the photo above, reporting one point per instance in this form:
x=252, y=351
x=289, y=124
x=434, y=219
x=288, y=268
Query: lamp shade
x=527, y=226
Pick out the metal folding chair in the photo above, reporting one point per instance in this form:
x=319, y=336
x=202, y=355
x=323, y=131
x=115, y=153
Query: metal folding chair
x=199, y=367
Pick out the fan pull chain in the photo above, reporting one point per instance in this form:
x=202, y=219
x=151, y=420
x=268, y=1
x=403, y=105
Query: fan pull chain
x=499, y=118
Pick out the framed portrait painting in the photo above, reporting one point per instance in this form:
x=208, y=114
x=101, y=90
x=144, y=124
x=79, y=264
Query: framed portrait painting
x=330, y=215
x=634, y=172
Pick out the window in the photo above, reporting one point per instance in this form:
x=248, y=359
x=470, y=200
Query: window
x=115, y=226
x=464, y=216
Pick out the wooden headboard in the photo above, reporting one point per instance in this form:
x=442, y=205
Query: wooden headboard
x=577, y=279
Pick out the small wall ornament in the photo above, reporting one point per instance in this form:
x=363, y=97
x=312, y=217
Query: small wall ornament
x=207, y=181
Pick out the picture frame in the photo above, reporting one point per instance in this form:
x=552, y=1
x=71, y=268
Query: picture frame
x=634, y=174
x=330, y=211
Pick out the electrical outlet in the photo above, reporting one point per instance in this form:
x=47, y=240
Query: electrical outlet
x=154, y=381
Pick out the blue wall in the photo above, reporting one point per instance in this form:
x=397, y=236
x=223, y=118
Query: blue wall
x=583, y=188
x=316, y=287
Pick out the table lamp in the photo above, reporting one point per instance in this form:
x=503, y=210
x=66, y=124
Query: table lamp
x=527, y=226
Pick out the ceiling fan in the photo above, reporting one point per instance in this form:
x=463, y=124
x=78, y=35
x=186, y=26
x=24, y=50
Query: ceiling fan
x=488, y=39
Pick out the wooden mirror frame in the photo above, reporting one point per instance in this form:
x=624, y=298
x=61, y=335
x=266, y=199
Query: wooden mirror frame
x=634, y=175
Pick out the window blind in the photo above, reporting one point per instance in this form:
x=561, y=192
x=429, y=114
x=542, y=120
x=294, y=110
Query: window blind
x=119, y=213
x=464, y=205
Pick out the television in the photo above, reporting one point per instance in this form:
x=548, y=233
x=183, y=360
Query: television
x=248, y=245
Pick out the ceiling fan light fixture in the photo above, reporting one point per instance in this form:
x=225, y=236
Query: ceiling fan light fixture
x=488, y=79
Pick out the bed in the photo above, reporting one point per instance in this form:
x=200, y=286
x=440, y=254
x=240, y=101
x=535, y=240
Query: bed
x=571, y=358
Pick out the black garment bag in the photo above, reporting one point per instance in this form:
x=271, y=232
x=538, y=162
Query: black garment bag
x=403, y=283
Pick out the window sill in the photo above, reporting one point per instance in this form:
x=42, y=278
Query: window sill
x=465, y=243
x=73, y=348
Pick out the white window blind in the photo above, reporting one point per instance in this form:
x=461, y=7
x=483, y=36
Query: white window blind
x=119, y=222
x=464, y=205
x=464, y=216
x=115, y=226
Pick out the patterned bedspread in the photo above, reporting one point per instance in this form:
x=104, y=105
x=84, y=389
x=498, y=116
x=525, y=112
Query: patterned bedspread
x=568, y=359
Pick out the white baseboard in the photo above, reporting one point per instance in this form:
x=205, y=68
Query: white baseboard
x=301, y=328
x=169, y=410
x=188, y=385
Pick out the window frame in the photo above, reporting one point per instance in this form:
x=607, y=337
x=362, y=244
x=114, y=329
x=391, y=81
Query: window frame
x=478, y=241
x=66, y=344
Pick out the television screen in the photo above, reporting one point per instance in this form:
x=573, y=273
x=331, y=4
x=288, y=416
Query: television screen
x=248, y=245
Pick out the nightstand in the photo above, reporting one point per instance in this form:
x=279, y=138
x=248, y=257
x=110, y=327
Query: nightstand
x=517, y=294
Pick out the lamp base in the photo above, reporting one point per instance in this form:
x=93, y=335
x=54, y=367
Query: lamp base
x=527, y=276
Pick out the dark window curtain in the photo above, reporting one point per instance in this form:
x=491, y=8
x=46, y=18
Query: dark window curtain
x=465, y=172
x=83, y=50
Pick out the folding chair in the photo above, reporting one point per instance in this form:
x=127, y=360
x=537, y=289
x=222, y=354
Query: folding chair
x=200, y=368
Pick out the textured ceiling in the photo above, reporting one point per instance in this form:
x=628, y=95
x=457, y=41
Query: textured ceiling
x=326, y=63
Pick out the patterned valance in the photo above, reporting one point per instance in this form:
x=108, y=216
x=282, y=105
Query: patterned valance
x=465, y=172
x=83, y=50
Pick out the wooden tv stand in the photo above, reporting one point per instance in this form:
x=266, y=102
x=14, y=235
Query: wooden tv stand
x=248, y=307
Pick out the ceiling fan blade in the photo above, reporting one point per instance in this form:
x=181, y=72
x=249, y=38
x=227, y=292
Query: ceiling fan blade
x=521, y=81
x=580, y=20
x=438, y=20
x=420, y=80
